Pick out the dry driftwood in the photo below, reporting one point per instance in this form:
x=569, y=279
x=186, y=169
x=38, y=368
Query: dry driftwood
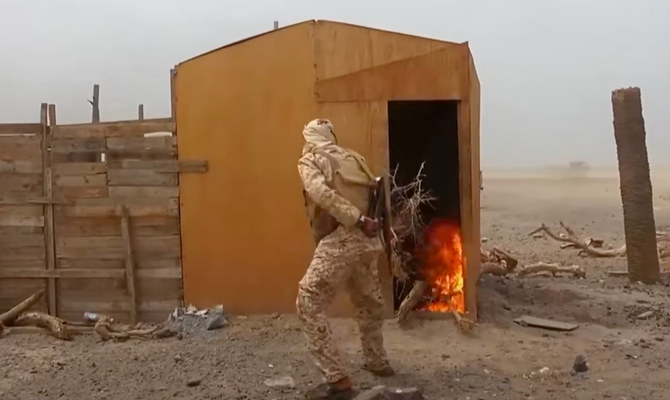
x=493, y=268
x=8, y=318
x=554, y=269
x=407, y=222
x=464, y=324
x=413, y=299
x=585, y=247
x=107, y=329
x=55, y=325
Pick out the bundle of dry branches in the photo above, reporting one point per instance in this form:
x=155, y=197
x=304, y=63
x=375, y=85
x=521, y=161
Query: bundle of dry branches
x=406, y=220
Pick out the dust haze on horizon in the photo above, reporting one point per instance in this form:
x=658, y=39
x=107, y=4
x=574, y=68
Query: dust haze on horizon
x=547, y=68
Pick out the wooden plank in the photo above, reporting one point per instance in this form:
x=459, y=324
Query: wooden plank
x=86, y=192
x=8, y=242
x=130, y=263
x=49, y=242
x=142, y=143
x=25, y=148
x=73, y=263
x=29, y=199
x=89, y=273
x=113, y=248
x=6, y=129
x=95, y=226
x=159, y=273
x=115, y=129
x=156, y=247
x=22, y=246
x=140, y=177
x=173, y=97
x=20, y=167
x=166, y=208
x=103, y=247
x=183, y=166
x=143, y=191
x=20, y=220
x=526, y=320
x=13, y=183
x=29, y=210
x=78, y=145
x=19, y=230
x=23, y=263
x=80, y=168
x=81, y=180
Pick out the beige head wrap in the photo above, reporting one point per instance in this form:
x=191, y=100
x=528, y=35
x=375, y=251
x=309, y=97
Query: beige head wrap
x=318, y=134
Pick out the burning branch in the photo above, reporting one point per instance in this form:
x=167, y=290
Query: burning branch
x=586, y=246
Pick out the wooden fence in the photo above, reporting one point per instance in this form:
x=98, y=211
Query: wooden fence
x=100, y=236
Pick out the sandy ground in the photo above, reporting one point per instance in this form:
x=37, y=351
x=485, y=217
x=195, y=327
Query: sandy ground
x=628, y=357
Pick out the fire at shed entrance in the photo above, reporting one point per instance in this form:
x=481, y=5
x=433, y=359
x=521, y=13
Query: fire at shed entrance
x=423, y=136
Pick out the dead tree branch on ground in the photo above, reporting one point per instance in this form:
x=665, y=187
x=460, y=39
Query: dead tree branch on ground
x=7, y=318
x=585, y=247
x=55, y=325
x=553, y=269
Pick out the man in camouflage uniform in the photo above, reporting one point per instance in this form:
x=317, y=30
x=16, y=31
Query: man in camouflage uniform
x=337, y=185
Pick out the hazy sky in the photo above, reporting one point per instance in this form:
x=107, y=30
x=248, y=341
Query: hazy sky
x=546, y=68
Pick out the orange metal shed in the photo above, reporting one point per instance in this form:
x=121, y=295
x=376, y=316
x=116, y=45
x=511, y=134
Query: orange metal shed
x=245, y=237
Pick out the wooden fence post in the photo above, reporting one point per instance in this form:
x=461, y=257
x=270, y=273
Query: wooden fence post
x=140, y=112
x=48, y=114
x=636, y=191
x=95, y=104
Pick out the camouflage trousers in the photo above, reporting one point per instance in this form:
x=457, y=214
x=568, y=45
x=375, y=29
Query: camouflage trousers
x=345, y=258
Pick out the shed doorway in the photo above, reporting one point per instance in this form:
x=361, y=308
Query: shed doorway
x=426, y=132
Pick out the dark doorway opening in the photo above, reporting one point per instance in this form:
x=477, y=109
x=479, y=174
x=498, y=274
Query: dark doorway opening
x=426, y=132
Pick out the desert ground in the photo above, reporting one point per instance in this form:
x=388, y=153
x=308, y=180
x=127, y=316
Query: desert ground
x=628, y=357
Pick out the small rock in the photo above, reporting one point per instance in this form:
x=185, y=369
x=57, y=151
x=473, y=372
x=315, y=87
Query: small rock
x=59, y=363
x=376, y=393
x=216, y=321
x=543, y=370
x=180, y=336
x=645, y=314
x=404, y=394
x=178, y=358
x=580, y=365
x=193, y=382
x=285, y=382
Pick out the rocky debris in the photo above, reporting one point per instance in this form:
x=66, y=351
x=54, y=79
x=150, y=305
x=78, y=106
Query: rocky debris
x=190, y=320
x=376, y=393
x=284, y=382
x=193, y=382
x=385, y=393
x=580, y=365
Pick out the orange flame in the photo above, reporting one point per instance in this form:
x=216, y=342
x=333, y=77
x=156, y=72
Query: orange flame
x=443, y=265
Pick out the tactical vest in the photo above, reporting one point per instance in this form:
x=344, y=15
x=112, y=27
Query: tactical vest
x=353, y=180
